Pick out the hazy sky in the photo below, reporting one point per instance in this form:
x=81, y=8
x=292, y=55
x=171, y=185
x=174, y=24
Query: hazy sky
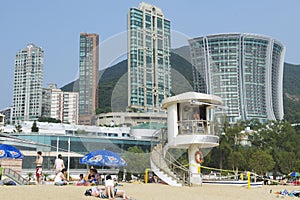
x=55, y=26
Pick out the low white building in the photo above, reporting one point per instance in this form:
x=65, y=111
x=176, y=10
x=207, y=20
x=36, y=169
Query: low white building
x=70, y=129
x=130, y=118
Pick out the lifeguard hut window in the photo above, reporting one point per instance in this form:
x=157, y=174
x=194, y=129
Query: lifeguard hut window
x=185, y=111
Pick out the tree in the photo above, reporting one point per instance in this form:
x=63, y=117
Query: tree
x=288, y=162
x=45, y=175
x=236, y=160
x=278, y=137
x=29, y=176
x=49, y=119
x=261, y=161
x=80, y=132
x=137, y=160
x=275, y=144
x=229, y=143
x=103, y=110
x=34, y=127
x=18, y=128
x=297, y=166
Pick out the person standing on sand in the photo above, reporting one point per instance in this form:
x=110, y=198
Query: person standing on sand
x=58, y=164
x=39, y=165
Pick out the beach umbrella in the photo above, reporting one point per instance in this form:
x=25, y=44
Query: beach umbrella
x=7, y=151
x=103, y=158
x=294, y=174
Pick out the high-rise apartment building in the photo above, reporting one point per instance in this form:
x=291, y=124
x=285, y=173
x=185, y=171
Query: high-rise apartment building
x=88, y=77
x=28, y=81
x=245, y=70
x=7, y=112
x=60, y=105
x=149, y=69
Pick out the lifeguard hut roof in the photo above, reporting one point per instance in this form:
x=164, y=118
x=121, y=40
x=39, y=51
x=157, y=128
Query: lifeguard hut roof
x=193, y=97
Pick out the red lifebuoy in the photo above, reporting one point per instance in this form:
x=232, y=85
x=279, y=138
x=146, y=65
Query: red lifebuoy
x=199, y=157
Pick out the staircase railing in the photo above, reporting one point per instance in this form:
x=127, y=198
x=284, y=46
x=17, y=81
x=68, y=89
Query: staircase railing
x=159, y=137
x=14, y=175
x=174, y=169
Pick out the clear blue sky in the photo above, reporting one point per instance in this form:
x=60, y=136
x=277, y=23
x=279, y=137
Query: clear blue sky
x=55, y=26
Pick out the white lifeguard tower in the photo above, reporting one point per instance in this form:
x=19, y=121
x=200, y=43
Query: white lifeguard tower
x=191, y=126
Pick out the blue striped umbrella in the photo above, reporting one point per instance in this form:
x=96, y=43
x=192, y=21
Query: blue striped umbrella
x=103, y=158
x=7, y=151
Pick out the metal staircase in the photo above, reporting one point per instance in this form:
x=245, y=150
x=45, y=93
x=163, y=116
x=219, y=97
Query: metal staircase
x=164, y=165
x=15, y=176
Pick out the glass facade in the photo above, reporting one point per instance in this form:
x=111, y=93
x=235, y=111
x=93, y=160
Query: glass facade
x=88, y=77
x=79, y=146
x=149, y=69
x=28, y=82
x=245, y=70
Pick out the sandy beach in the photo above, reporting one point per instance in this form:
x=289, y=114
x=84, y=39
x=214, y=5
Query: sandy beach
x=146, y=192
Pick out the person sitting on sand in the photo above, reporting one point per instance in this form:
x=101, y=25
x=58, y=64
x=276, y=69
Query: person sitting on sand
x=109, y=186
x=112, y=191
x=81, y=180
x=96, y=177
x=92, y=177
x=60, y=178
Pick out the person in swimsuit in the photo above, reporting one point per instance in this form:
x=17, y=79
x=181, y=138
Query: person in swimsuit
x=39, y=165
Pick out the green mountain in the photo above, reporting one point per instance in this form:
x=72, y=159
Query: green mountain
x=291, y=98
x=113, y=84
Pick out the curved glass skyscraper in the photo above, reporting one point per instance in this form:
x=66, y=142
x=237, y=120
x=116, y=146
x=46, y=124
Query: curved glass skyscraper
x=245, y=70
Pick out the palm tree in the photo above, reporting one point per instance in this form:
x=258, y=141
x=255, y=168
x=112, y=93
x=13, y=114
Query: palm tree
x=45, y=175
x=29, y=176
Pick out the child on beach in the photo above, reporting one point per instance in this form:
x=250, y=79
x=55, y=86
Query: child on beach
x=81, y=180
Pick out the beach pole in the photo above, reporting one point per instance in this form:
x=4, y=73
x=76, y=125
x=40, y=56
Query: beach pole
x=69, y=144
x=57, y=146
x=248, y=175
x=146, y=175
